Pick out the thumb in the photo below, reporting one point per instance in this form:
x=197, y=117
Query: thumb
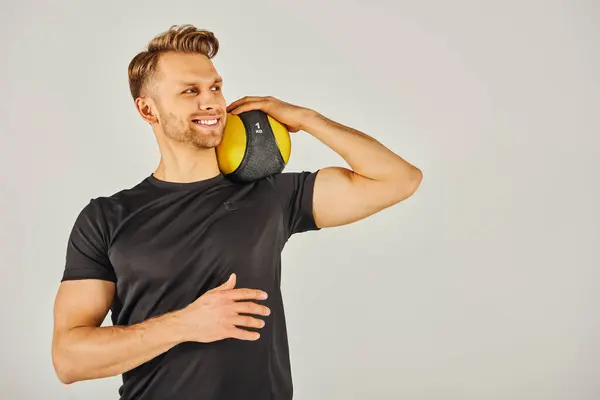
x=230, y=284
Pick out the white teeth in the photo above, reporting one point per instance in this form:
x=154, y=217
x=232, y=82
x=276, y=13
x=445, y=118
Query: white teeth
x=208, y=121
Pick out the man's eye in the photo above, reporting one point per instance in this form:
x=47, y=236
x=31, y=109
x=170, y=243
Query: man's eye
x=217, y=88
x=190, y=91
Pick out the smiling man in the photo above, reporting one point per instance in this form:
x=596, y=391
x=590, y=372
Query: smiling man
x=188, y=262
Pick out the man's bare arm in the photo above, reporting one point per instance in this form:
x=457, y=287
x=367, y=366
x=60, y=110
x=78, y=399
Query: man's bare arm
x=378, y=178
x=82, y=349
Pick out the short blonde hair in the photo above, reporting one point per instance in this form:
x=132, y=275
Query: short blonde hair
x=179, y=38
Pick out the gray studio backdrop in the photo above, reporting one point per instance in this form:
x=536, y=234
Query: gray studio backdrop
x=484, y=285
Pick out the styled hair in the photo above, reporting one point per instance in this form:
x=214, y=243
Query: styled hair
x=179, y=38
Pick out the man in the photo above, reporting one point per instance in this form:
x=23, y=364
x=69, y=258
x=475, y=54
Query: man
x=188, y=262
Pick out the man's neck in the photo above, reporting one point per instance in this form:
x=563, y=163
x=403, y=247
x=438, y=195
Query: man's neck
x=187, y=165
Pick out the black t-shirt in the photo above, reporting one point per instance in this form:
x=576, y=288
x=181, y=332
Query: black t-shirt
x=164, y=244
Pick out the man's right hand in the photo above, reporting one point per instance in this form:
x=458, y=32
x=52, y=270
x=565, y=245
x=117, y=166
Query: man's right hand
x=216, y=314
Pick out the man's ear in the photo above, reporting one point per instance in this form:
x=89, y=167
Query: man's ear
x=145, y=107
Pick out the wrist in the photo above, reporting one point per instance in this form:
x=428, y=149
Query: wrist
x=311, y=120
x=177, y=327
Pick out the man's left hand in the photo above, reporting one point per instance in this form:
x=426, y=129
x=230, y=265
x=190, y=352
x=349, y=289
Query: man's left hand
x=293, y=117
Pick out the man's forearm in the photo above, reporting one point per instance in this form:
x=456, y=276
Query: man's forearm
x=97, y=352
x=365, y=155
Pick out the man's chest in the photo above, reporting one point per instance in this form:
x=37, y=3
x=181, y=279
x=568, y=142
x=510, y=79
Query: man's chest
x=194, y=239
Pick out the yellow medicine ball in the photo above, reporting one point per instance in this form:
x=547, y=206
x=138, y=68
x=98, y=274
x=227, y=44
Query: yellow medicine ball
x=254, y=146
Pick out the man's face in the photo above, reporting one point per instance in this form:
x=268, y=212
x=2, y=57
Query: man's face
x=190, y=105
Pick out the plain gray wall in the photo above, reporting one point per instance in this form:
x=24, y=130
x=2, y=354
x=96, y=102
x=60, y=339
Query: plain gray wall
x=484, y=285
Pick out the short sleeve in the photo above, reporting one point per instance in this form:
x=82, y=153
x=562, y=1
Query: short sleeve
x=295, y=191
x=87, y=247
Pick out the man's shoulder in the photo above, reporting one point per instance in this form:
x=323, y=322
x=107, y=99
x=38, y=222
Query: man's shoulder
x=126, y=193
x=117, y=202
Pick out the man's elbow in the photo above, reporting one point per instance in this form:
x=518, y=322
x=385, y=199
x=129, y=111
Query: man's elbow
x=415, y=180
x=63, y=367
x=408, y=184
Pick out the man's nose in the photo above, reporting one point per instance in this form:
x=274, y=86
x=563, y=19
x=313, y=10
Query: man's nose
x=207, y=101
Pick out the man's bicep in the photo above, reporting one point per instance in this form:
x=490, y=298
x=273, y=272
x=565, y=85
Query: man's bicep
x=83, y=302
x=342, y=197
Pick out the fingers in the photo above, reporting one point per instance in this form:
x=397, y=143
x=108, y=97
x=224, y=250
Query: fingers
x=251, y=308
x=243, y=101
x=254, y=105
x=247, y=321
x=244, y=321
x=230, y=284
x=251, y=103
x=241, y=334
x=246, y=294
